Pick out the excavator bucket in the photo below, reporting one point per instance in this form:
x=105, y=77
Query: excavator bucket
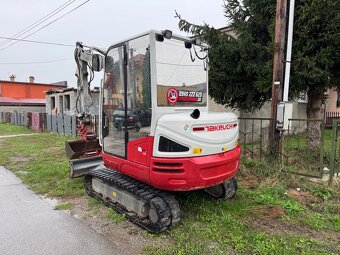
x=80, y=167
x=82, y=149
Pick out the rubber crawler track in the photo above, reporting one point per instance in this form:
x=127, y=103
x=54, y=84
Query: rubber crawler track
x=165, y=204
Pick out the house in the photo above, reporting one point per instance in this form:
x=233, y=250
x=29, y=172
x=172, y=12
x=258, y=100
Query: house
x=333, y=100
x=65, y=101
x=24, y=96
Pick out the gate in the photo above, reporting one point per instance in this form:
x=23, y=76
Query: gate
x=335, y=152
x=298, y=155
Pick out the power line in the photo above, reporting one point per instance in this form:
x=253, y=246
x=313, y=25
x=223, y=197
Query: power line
x=47, y=24
x=38, y=22
x=41, y=42
x=37, y=62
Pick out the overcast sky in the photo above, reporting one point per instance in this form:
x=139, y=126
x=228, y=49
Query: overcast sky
x=98, y=23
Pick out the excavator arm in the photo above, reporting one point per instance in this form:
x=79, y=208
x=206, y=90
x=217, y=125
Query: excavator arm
x=88, y=61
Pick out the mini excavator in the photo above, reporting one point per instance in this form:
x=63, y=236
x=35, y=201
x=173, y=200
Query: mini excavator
x=155, y=134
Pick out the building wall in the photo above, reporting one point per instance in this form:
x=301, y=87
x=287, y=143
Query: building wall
x=20, y=90
x=61, y=103
x=331, y=102
x=214, y=107
x=22, y=109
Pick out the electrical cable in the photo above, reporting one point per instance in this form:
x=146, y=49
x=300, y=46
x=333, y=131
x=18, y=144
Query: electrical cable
x=41, y=42
x=191, y=57
x=38, y=22
x=37, y=62
x=78, y=80
x=47, y=24
x=201, y=58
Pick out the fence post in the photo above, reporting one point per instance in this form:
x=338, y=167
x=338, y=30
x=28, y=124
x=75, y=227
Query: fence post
x=322, y=147
x=333, y=151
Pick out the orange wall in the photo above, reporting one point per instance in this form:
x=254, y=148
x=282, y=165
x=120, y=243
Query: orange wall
x=19, y=90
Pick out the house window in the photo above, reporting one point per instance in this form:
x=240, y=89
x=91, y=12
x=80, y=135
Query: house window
x=303, y=98
x=67, y=102
x=52, y=103
x=338, y=99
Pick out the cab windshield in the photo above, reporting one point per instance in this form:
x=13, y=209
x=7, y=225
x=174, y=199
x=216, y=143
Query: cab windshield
x=181, y=74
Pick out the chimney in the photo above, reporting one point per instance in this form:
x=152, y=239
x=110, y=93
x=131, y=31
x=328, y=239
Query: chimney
x=12, y=78
x=31, y=78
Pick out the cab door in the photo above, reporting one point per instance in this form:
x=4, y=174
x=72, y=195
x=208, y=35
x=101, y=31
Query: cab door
x=115, y=133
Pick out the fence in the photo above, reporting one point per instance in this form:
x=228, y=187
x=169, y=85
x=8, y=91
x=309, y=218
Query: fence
x=303, y=153
x=254, y=136
x=330, y=116
x=298, y=153
x=42, y=122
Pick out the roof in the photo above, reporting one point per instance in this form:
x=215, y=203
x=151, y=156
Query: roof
x=22, y=102
x=62, y=90
x=39, y=84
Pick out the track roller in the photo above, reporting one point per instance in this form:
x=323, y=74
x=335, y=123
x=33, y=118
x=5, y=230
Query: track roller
x=150, y=208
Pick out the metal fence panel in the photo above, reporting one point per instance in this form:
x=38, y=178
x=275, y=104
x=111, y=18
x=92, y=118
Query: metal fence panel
x=36, y=121
x=25, y=120
x=67, y=125
x=60, y=125
x=49, y=122
x=335, y=152
x=54, y=124
x=74, y=125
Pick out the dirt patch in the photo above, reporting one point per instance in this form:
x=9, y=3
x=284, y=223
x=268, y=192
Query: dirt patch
x=19, y=162
x=248, y=181
x=279, y=227
x=52, y=149
x=303, y=197
x=124, y=234
x=267, y=211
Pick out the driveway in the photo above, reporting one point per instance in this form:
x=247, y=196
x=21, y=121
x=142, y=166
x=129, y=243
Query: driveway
x=29, y=225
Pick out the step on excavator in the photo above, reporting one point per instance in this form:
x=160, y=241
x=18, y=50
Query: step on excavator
x=155, y=134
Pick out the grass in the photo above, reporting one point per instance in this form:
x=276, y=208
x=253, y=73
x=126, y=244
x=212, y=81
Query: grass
x=226, y=227
x=208, y=226
x=9, y=129
x=64, y=206
x=39, y=161
x=217, y=228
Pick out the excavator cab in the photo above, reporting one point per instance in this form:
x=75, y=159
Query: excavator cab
x=146, y=77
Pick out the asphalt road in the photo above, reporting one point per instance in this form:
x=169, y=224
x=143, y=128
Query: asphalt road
x=29, y=225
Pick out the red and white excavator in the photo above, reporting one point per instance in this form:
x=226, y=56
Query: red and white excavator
x=155, y=132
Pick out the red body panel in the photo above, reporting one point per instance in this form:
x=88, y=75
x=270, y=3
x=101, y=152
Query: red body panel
x=177, y=174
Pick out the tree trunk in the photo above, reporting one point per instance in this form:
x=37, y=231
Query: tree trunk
x=314, y=112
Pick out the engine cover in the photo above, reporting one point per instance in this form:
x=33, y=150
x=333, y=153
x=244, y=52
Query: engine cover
x=180, y=135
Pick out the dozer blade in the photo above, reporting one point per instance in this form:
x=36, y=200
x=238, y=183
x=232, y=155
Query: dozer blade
x=82, y=149
x=80, y=167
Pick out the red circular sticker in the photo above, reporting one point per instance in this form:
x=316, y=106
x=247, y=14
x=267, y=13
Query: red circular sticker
x=172, y=96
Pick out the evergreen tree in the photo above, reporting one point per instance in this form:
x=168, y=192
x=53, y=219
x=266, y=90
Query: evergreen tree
x=240, y=73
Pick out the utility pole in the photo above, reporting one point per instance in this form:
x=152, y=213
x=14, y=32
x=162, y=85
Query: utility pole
x=279, y=41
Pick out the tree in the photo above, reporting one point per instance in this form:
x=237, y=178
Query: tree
x=241, y=66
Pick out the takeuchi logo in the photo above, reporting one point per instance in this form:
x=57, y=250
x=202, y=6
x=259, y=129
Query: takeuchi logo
x=221, y=127
x=172, y=96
